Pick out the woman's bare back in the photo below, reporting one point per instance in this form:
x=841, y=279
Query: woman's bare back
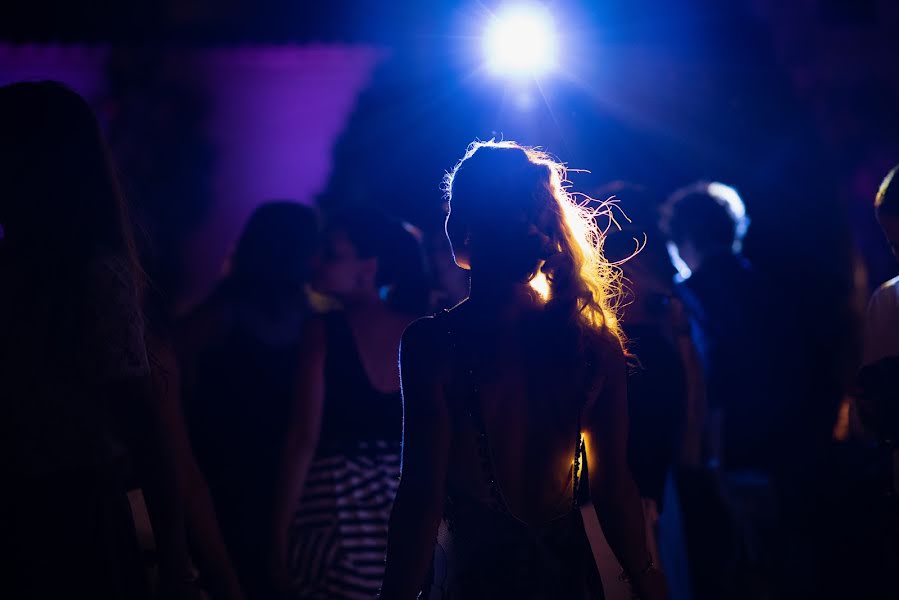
x=530, y=400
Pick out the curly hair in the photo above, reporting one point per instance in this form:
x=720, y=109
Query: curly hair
x=526, y=225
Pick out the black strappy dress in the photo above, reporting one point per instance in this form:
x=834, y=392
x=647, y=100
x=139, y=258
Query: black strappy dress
x=493, y=553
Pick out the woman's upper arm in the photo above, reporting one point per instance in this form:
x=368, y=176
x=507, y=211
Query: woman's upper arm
x=606, y=418
x=426, y=427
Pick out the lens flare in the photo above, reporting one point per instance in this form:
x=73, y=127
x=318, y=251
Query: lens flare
x=521, y=41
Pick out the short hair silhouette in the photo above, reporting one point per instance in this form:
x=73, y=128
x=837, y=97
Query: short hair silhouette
x=709, y=215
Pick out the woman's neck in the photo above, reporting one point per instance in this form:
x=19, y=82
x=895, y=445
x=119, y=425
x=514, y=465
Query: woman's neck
x=502, y=297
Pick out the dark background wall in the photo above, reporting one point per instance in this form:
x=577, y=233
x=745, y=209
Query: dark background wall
x=792, y=103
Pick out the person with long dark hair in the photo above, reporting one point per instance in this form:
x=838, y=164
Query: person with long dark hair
x=76, y=400
x=341, y=463
x=516, y=397
x=238, y=351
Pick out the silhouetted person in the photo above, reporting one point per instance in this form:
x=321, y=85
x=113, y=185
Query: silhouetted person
x=76, y=401
x=751, y=393
x=736, y=315
x=666, y=389
x=882, y=322
x=879, y=375
x=499, y=393
x=656, y=328
x=862, y=502
x=341, y=464
x=239, y=351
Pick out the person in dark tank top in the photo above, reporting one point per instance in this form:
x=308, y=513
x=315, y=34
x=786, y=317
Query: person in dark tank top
x=341, y=464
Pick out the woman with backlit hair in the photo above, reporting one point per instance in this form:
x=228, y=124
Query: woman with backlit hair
x=510, y=395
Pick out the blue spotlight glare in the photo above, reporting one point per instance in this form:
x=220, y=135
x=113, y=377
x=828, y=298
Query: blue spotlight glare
x=520, y=41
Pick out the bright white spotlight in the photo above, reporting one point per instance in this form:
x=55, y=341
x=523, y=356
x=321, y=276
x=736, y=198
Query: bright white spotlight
x=521, y=41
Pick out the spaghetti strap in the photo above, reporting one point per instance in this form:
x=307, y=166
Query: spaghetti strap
x=474, y=410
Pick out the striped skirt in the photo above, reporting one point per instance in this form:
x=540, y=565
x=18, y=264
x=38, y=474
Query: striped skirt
x=339, y=534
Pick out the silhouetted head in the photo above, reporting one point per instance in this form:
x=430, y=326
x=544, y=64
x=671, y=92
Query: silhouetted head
x=512, y=221
x=705, y=219
x=276, y=248
x=886, y=205
x=60, y=204
x=365, y=255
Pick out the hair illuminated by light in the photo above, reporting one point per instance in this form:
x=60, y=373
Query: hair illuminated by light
x=887, y=200
x=570, y=270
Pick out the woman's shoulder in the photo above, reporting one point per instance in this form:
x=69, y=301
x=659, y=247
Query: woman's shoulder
x=886, y=296
x=442, y=321
x=422, y=331
x=605, y=353
x=430, y=336
x=602, y=341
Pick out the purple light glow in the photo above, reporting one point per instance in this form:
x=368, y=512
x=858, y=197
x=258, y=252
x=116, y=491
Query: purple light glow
x=276, y=113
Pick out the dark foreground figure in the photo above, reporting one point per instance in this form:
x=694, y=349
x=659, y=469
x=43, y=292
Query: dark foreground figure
x=78, y=416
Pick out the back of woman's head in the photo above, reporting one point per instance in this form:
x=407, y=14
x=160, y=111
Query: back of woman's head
x=402, y=276
x=498, y=197
x=276, y=247
x=514, y=219
x=59, y=199
x=61, y=212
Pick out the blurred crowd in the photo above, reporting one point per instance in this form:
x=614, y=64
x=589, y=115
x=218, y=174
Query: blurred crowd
x=263, y=427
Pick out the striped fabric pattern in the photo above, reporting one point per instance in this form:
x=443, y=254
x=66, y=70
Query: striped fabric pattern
x=339, y=534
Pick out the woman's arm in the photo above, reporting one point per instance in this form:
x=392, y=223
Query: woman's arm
x=612, y=487
x=303, y=433
x=113, y=357
x=139, y=418
x=426, y=439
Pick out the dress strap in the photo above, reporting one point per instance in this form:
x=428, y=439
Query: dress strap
x=474, y=409
x=472, y=405
x=485, y=454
